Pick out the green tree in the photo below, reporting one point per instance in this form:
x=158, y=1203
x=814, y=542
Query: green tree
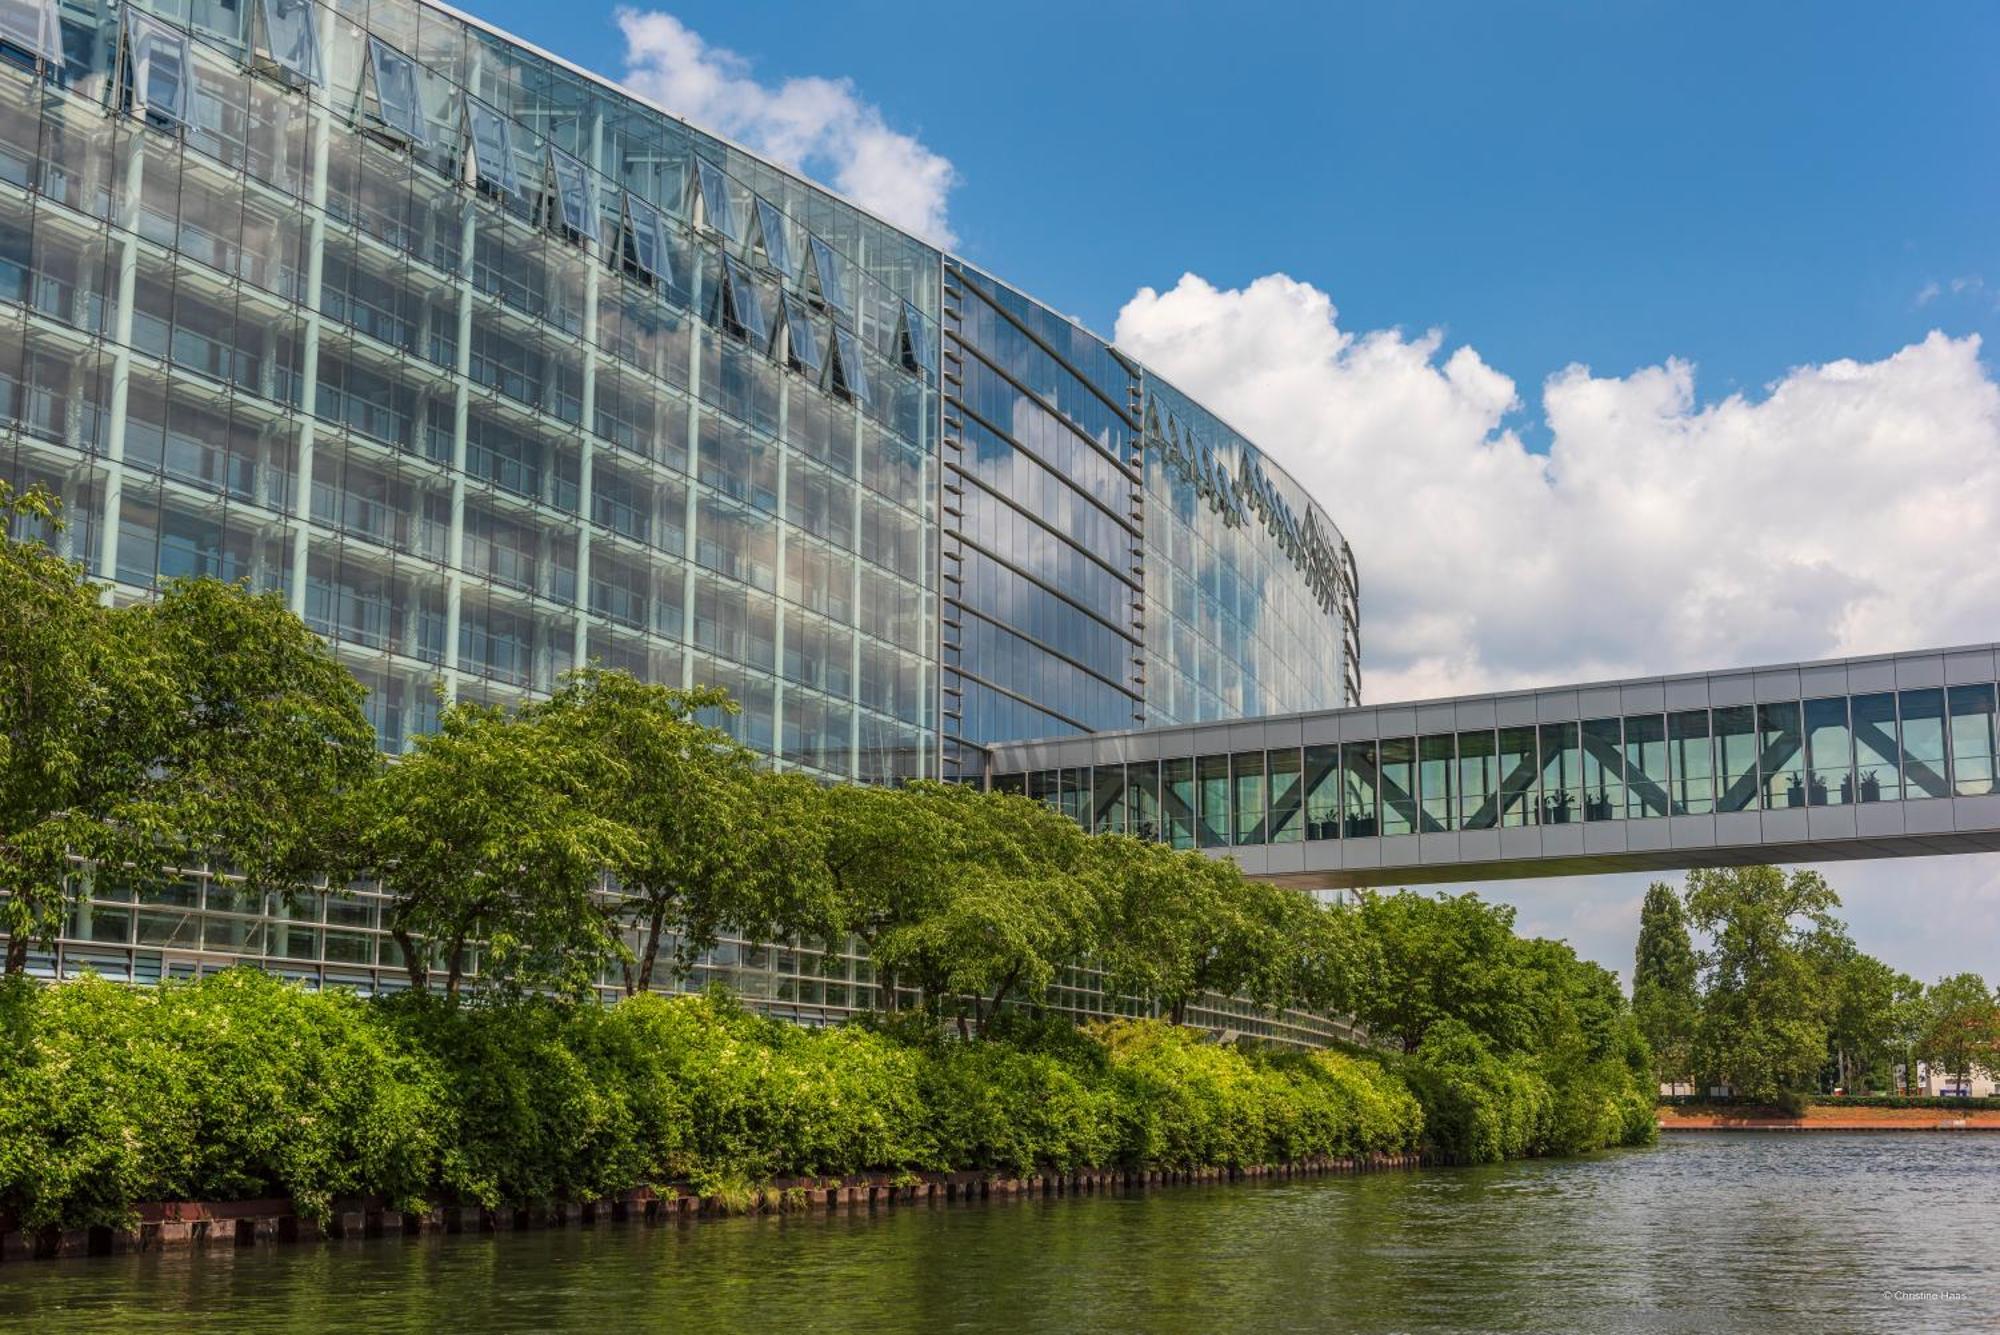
x=491, y=833
x=1764, y=1002
x=713, y=841
x=1961, y=1033
x=1860, y=995
x=1443, y=957
x=1664, y=976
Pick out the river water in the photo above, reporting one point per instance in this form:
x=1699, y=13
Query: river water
x=1715, y=1231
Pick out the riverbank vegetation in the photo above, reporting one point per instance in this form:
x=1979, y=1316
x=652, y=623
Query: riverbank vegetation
x=1782, y=1005
x=616, y=831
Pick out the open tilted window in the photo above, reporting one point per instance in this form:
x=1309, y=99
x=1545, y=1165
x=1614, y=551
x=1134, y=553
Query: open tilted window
x=913, y=341
x=644, y=240
x=291, y=41
x=492, y=139
x=742, y=308
x=158, y=67
x=825, y=279
x=774, y=236
x=718, y=211
x=32, y=26
x=575, y=199
x=397, y=103
x=846, y=373
x=801, y=339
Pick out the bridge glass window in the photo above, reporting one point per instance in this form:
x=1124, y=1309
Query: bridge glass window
x=1177, y=801
x=1603, y=769
x=1396, y=770
x=1142, y=799
x=1923, y=744
x=1478, y=781
x=1562, y=790
x=1435, y=758
x=1212, y=796
x=1876, y=769
x=1359, y=780
x=1645, y=765
x=1736, y=758
x=1829, y=754
x=1781, y=758
x=1690, y=764
x=1322, y=785
x=1971, y=740
x=1518, y=769
x=1283, y=781
x=1246, y=772
x=1107, y=799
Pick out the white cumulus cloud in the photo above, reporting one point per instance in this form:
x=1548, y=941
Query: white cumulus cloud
x=816, y=125
x=1851, y=507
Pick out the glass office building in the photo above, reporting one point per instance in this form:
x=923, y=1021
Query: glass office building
x=492, y=370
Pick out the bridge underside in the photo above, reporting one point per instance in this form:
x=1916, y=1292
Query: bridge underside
x=1879, y=757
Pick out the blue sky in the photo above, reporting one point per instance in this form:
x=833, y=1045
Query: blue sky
x=1772, y=234
x=1748, y=187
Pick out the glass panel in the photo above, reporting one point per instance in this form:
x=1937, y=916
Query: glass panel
x=1011, y=783
x=1782, y=761
x=774, y=236
x=1692, y=777
x=1435, y=756
x=717, y=209
x=1478, y=781
x=291, y=38
x=1645, y=766
x=1322, y=783
x=1246, y=770
x=1829, y=753
x=1044, y=787
x=1142, y=796
x=158, y=60
x=1285, y=826
x=1875, y=772
x=1972, y=714
x=573, y=193
x=801, y=340
x=1562, y=791
x=1923, y=744
x=1736, y=757
x=1075, y=798
x=1177, y=801
x=1212, y=785
x=845, y=371
x=397, y=103
x=1107, y=799
x=1359, y=779
x=828, y=283
x=645, y=239
x=33, y=26
x=1517, y=766
x=745, y=311
x=492, y=148
x=1603, y=769
x=1397, y=771
x=913, y=341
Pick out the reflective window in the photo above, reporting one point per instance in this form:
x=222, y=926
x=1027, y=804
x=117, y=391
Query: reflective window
x=291, y=38
x=1562, y=774
x=1396, y=770
x=158, y=61
x=1212, y=795
x=1322, y=785
x=573, y=193
x=645, y=239
x=1972, y=718
x=1876, y=771
x=718, y=211
x=1645, y=766
x=827, y=279
x=773, y=237
x=914, y=342
x=1142, y=798
x=1177, y=801
x=1923, y=744
x=844, y=369
x=397, y=104
x=1478, y=781
x=1782, y=759
x=743, y=308
x=33, y=26
x=492, y=147
x=1603, y=770
x=1246, y=769
x=1829, y=753
x=1517, y=767
x=1107, y=799
x=801, y=342
x=1736, y=758
x=1284, y=824
x=1691, y=764
x=1359, y=782
x=1435, y=758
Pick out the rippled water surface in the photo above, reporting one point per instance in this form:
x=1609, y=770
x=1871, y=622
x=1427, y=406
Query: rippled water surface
x=1767, y=1233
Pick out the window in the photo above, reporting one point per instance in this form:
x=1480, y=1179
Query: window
x=1562, y=791
x=1603, y=770
x=1107, y=797
x=1875, y=768
x=1781, y=755
x=492, y=148
x=1645, y=766
x=1322, y=784
x=1359, y=780
x=574, y=196
x=913, y=341
x=157, y=62
x=718, y=211
x=1478, y=781
x=1923, y=744
x=33, y=26
x=1212, y=788
x=1177, y=801
x=1142, y=799
x=290, y=38
x=1736, y=758
x=1829, y=753
x=1283, y=821
x=1691, y=780
x=397, y=104
x=844, y=370
x=743, y=309
x=827, y=283
x=801, y=341
x=1397, y=772
x=774, y=237
x=1247, y=773
x=1972, y=740
x=645, y=242
x=1435, y=756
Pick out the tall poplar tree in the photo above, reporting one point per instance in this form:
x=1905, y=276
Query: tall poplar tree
x=1664, y=977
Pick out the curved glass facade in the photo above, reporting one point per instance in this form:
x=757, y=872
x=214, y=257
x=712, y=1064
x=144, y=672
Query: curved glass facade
x=492, y=370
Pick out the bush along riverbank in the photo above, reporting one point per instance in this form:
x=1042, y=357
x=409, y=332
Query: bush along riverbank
x=241, y=1088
